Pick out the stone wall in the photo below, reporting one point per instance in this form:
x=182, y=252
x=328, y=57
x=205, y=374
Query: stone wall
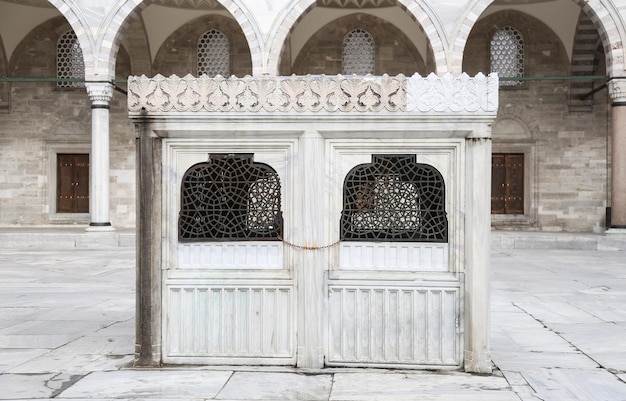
x=178, y=55
x=45, y=120
x=567, y=150
x=322, y=54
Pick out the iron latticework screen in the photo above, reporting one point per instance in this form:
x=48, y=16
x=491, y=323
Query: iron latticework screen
x=393, y=198
x=230, y=197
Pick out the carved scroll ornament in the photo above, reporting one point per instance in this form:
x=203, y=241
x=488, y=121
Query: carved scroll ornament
x=319, y=93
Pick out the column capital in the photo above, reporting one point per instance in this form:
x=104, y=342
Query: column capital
x=100, y=93
x=617, y=90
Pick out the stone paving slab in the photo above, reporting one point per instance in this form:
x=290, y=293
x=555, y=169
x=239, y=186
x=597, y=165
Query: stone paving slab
x=67, y=333
x=276, y=386
x=420, y=386
x=148, y=384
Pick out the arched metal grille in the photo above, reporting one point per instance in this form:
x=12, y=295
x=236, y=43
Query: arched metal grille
x=214, y=54
x=358, y=53
x=70, y=62
x=394, y=199
x=230, y=197
x=507, y=54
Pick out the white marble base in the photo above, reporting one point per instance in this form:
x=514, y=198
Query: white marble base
x=179, y=384
x=276, y=386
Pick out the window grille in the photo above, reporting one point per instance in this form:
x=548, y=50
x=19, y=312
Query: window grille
x=213, y=54
x=507, y=54
x=70, y=62
x=393, y=198
x=358, y=53
x=230, y=197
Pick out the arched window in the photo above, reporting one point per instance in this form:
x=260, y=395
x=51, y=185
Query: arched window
x=358, y=53
x=70, y=62
x=214, y=54
x=230, y=197
x=393, y=198
x=507, y=54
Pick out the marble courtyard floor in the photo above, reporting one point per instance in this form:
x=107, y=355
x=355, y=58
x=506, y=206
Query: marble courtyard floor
x=67, y=333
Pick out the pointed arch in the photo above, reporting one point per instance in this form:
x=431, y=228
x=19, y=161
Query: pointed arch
x=605, y=20
x=80, y=26
x=5, y=88
x=586, y=54
x=105, y=46
x=295, y=10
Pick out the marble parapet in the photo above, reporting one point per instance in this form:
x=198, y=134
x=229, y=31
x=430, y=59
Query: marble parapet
x=432, y=94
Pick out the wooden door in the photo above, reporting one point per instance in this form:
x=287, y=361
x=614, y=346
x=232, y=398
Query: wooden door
x=507, y=183
x=72, y=183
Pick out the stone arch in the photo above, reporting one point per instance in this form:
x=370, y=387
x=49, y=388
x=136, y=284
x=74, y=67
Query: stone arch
x=293, y=12
x=393, y=51
x=587, y=53
x=603, y=18
x=4, y=86
x=71, y=126
x=533, y=31
x=36, y=54
x=509, y=126
x=79, y=24
x=185, y=61
x=105, y=46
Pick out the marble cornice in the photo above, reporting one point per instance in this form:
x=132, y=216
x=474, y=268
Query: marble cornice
x=315, y=93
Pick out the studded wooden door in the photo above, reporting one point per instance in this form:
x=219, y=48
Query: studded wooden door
x=507, y=183
x=72, y=183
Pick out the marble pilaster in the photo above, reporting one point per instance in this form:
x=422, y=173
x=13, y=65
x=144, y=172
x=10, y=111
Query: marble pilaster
x=617, y=90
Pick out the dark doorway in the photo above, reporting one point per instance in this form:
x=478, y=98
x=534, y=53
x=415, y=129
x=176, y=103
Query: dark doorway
x=507, y=183
x=72, y=183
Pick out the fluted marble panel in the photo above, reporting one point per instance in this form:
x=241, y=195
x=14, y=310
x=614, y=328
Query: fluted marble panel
x=229, y=322
x=393, y=326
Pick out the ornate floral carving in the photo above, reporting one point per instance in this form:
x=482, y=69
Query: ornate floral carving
x=319, y=93
x=452, y=94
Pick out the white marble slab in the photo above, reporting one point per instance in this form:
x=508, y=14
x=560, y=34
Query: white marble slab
x=276, y=386
x=145, y=384
x=65, y=362
x=558, y=312
x=11, y=357
x=420, y=386
x=33, y=386
x=576, y=385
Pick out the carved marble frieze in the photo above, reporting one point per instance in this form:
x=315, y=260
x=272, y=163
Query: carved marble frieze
x=356, y=3
x=314, y=93
x=198, y=4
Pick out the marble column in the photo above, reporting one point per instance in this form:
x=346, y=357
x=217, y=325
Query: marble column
x=617, y=90
x=149, y=247
x=477, y=254
x=100, y=94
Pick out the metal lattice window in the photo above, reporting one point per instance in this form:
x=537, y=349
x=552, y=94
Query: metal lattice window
x=70, y=62
x=393, y=198
x=358, y=53
x=214, y=54
x=507, y=54
x=230, y=197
